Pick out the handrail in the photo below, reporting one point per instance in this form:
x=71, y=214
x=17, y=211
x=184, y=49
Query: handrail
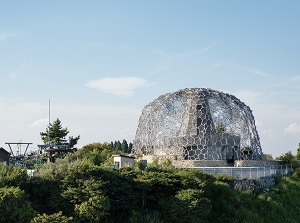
x=247, y=172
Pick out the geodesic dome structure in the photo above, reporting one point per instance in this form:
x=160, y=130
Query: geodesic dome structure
x=198, y=124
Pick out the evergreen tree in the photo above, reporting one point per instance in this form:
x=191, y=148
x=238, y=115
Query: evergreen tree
x=118, y=145
x=297, y=157
x=124, y=146
x=130, y=147
x=111, y=145
x=56, y=134
x=286, y=158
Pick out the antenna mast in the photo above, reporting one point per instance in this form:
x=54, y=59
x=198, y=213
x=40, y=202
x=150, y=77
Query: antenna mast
x=49, y=124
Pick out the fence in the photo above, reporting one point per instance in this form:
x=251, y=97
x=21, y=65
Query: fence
x=248, y=172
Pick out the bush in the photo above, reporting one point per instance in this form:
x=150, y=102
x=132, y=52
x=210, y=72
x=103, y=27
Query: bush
x=297, y=172
x=189, y=203
x=14, y=205
x=13, y=176
x=53, y=218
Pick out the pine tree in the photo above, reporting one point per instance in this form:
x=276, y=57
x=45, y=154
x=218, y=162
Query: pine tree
x=56, y=134
x=130, y=147
x=118, y=145
x=124, y=146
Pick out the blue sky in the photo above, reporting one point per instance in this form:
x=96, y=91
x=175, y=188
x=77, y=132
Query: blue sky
x=101, y=62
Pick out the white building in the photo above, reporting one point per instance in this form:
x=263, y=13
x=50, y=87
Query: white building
x=123, y=161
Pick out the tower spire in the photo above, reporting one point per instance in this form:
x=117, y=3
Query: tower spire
x=49, y=123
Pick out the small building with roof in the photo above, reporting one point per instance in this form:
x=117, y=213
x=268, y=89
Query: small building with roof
x=123, y=161
x=4, y=156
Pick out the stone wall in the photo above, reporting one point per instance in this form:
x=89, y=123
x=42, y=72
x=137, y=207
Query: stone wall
x=254, y=185
x=268, y=182
x=245, y=185
x=255, y=163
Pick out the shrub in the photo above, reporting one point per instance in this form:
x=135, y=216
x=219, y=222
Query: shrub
x=53, y=218
x=14, y=205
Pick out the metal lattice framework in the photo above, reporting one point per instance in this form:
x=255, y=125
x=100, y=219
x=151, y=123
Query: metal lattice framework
x=198, y=124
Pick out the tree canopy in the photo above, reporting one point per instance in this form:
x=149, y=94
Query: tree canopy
x=297, y=157
x=56, y=134
x=81, y=187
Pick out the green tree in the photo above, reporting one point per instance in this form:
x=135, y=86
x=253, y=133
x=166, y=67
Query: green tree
x=56, y=134
x=83, y=186
x=41, y=189
x=124, y=146
x=14, y=205
x=130, y=147
x=268, y=156
x=118, y=145
x=286, y=158
x=97, y=153
x=189, y=203
x=94, y=209
x=111, y=145
x=297, y=157
x=12, y=176
x=156, y=185
x=53, y=218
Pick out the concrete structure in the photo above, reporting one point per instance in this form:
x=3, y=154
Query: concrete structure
x=4, y=156
x=198, y=124
x=123, y=161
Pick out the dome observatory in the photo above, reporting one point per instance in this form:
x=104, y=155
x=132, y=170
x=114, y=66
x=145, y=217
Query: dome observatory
x=197, y=124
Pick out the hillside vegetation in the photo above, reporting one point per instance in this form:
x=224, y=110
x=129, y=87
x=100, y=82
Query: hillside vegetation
x=81, y=188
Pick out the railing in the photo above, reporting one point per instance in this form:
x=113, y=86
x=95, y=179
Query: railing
x=247, y=172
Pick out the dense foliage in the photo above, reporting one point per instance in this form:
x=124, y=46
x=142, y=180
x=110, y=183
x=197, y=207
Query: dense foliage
x=82, y=188
x=56, y=134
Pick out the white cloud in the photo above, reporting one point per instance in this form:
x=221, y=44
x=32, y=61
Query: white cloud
x=222, y=64
x=5, y=35
x=18, y=71
x=161, y=53
x=259, y=72
x=120, y=86
x=183, y=54
x=292, y=128
x=40, y=123
x=208, y=47
x=291, y=80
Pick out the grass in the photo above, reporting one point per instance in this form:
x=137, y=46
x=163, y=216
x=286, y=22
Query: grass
x=279, y=204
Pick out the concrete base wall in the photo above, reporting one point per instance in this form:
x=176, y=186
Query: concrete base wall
x=223, y=163
x=255, y=163
x=199, y=163
x=149, y=158
x=211, y=163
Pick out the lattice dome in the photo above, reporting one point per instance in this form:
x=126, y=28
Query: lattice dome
x=198, y=124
